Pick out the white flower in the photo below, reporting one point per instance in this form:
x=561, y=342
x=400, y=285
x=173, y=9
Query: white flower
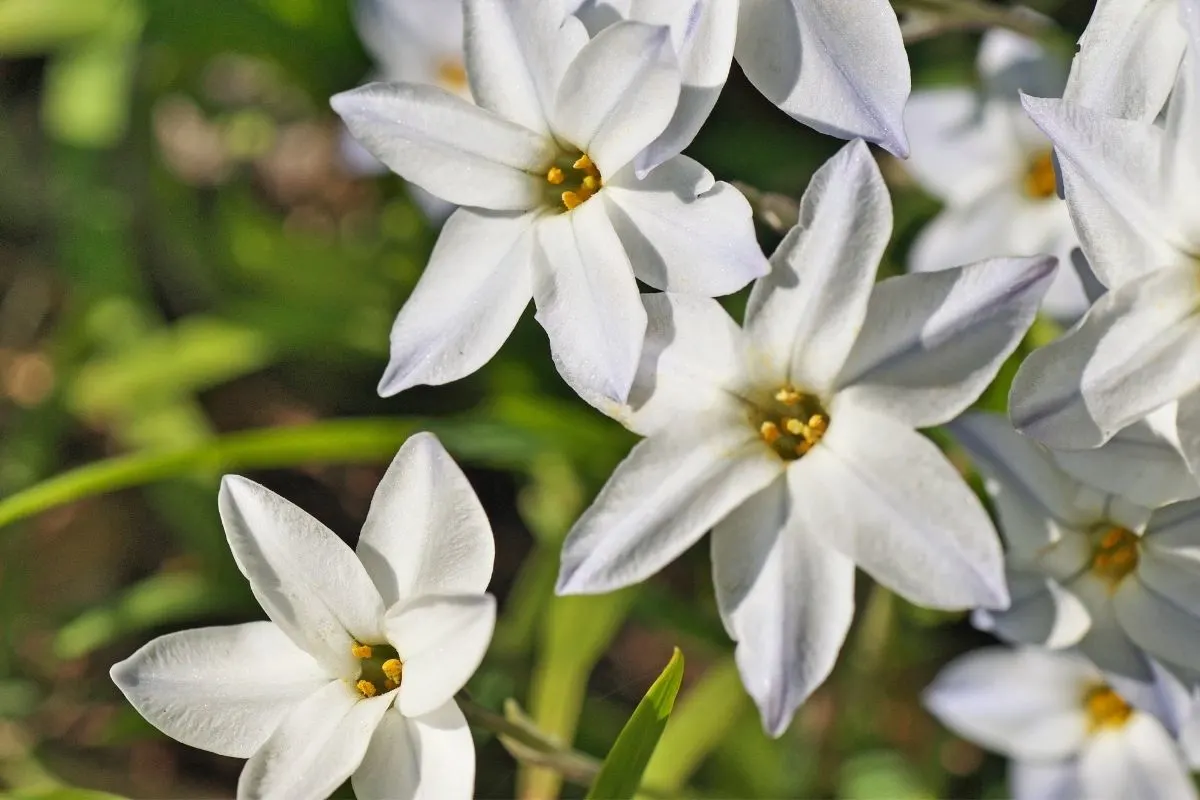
x=1088, y=568
x=552, y=207
x=1068, y=732
x=1127, y=58
x=836, y=66
x=793, y=439
x=355, y=674
x=1131, y=188
x=993, y=169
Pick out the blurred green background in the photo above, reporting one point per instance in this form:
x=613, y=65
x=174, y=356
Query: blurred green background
x=192, y=283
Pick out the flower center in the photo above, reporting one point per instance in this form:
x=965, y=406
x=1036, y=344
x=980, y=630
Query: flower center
x=1114, y=553
x=452, y=75
x=1105, y=708
x=380, y=668
x=573, y=180
x=791, y=423
x=1039, y=182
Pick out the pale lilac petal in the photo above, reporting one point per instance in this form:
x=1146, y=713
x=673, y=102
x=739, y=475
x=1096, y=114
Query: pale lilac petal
x=431, y=757
x=426, y=532
x=1188, y=425
x=961, y=149
x=477, y=283
x=1138, y=759
x=803, y=318
x=308, y=581
x=1010, y=63
x=786, y=598
x=1166, y=626
x=1045, y=780
x=209, y=688
x=1043, y=612
x=1107, y=644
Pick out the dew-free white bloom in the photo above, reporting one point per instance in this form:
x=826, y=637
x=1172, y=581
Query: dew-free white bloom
x=1091, y=569
x=794, y=438
x=1068, y=733
x=980, y=154
x=552, y=207
x=355, y=674
x=1131, y=189
x=836, y=66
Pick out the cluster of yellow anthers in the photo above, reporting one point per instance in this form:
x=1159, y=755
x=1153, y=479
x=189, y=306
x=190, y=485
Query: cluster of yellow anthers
x=589, y=184
x=797, y=430
x=1040, y=182
x=376, y=674
x=1115, y=554
x=1105, y=708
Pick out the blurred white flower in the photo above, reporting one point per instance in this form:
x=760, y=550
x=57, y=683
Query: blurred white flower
x=551, y=205
x=1131, y=188
x=1068, y=732
x=355, y=674
x=1088, y=568
x=794, y=438
x=980, y=154
x=838, y=67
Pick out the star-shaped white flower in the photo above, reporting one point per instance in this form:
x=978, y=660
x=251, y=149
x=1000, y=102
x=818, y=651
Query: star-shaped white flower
x=993, y=169
x=794, y=438
x=552, y=207
x=838, y=67
x=355, y=674
x=1091, y=569
x=1068, y=732
x=1131, y=189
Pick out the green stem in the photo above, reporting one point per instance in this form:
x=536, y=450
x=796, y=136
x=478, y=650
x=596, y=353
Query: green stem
x=334, y=441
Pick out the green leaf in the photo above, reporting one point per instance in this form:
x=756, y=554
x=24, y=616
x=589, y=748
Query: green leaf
x=622, y=771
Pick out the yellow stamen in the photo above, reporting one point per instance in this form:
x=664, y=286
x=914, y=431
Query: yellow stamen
x=360, y=650
x=591, y=183
x=789, y=421
x=1115, y=555
x=571, y=200
x=787, y=396
x=818, y=424
x=769, y=431
x=452, y=74
x=366, y=688
x=1105, y=708
x=584, y=162
x=803, y=446
x=556, y=176
x=393, y=668
x=794, y=426
x=390, y=684
x=1040, y=182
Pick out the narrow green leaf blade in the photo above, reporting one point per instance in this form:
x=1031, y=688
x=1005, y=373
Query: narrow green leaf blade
x=622, y=771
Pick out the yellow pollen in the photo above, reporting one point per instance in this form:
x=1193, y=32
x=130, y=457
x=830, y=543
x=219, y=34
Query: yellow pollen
x=591, y=183
x=789, y=397
x=818, y=424
x=1105, y=708
x=791, y=422
x=393, y=668
x=366, y=688
x=803, y=446
x=1040, y=183
x=556, y=176
x=769, y=431
x=452, y=74
x=578, y=179
x=794, y=426
x=390, y=684
x=571, y=200
x=1115, y=554
x=360, y=650
x=584, y=162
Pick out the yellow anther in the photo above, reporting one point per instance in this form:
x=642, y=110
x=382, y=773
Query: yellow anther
x=366, y=688
x=769, y=431
x=591, y=183
x=556, y=176
x=584, y=162
x=789, y=397
x=452, y=74
x=360, y=650
x=390, y=684
x=818, y=424
x=794, y=426
x=571, y=200
x=393, y=668
x=1105, y=708
x=1040, y=182
x=803, y=446
x=1115, y=555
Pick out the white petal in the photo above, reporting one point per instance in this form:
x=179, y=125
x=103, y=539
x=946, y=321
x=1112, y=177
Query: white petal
x=1024, y=703
x=691, y=365
x=1166, y=625
x=220, y=689
x=618, y=94
x=442, y=640
x=1142, y=462
x=1127, y=58
x=1030, y=491
x=412, y=39
x=1139, y=759
x=932, y=342
x=908, y=518
x=836, y=66
x=1010, y=63
x=426, y=532
x=587, y=300
x=431, y=757
x=315, y=748
x=478, y=281
x=1107, y=643
x=1045, y=780
x=517, y=52
x=1188, y=426
x=704, y=34
x=683, y=231
x=1133, y=352
x=660, y=500
x=460, y=152
x=1111, y=174
x=803, y=318
x=960, y=149
x=1042, y=613
x=786, y=597
x=308, y=581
